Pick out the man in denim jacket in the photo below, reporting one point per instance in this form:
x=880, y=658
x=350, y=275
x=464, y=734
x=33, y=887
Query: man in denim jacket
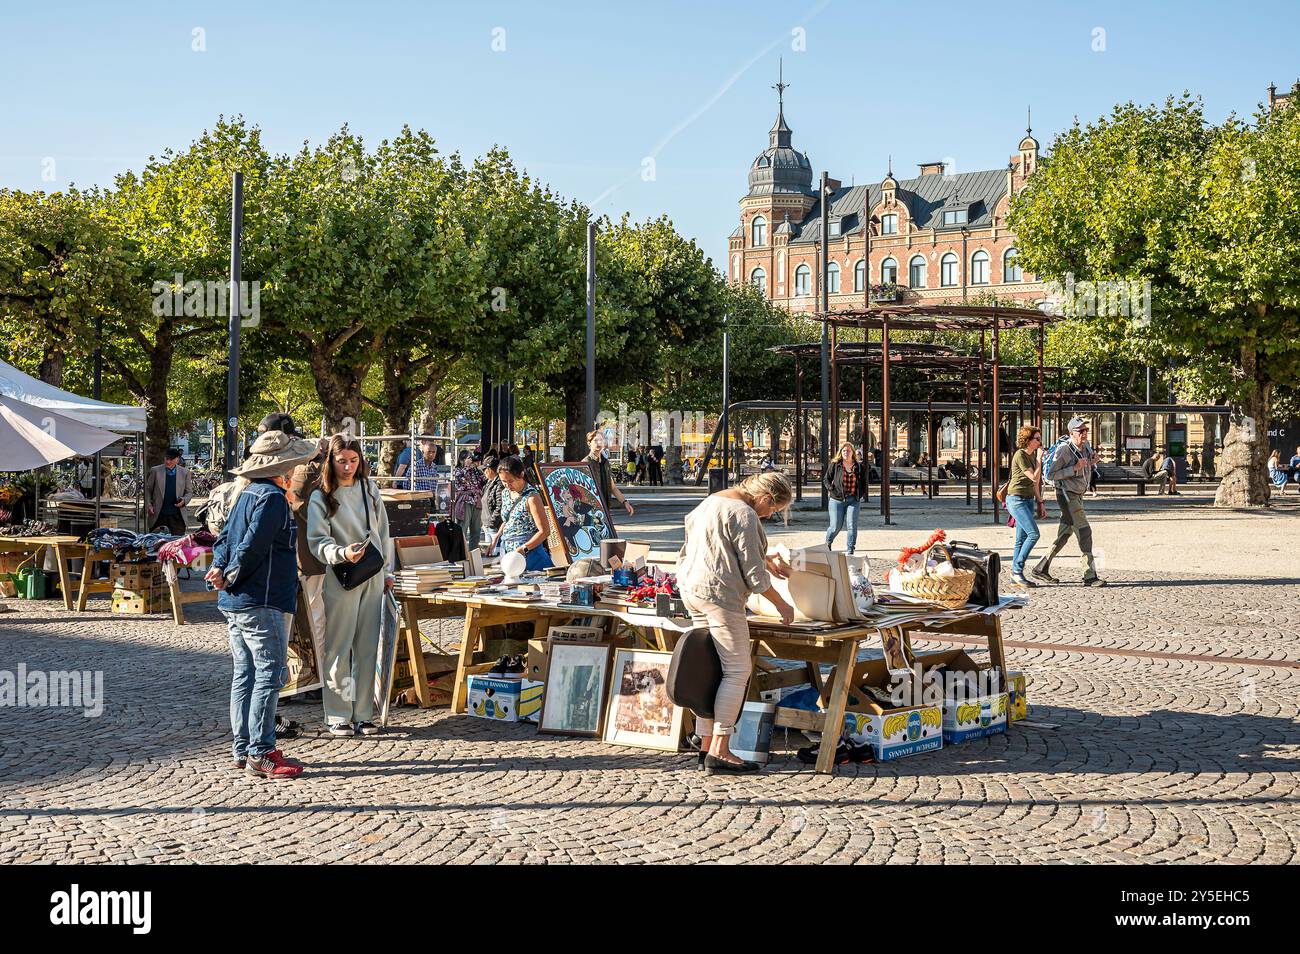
x=255, y=568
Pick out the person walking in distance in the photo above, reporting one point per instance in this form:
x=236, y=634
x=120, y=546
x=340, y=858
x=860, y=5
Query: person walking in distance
x=1069, y=468
x=846, y=484
x=1025, y=499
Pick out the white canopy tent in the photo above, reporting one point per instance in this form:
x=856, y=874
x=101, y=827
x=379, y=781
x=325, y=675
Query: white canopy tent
x=113, y=417
x=33, y=437
x=97, y=415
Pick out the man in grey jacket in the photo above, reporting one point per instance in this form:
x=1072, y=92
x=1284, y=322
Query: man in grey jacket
x=1072, y=464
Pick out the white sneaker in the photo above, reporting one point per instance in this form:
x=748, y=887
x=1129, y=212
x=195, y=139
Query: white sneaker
x=1019, y=580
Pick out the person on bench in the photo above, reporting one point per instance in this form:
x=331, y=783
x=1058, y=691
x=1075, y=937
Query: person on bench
x=1154, y=470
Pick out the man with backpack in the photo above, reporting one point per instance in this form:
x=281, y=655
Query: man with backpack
x=1068, y=467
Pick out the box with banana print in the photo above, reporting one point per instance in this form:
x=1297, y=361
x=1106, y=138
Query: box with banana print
x=974, y=717
x=888, y=722
x=894, y=733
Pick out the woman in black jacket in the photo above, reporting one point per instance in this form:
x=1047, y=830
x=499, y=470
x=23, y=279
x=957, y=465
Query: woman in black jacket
x=846, y=482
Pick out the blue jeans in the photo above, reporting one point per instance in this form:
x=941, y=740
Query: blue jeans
x=1025, y=510
x=839, y=509
x=259, y=645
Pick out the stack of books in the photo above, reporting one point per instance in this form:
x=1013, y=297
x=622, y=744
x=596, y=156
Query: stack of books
x=426, y=577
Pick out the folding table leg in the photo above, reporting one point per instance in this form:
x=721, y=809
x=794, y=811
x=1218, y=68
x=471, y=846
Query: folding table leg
x=833, y=726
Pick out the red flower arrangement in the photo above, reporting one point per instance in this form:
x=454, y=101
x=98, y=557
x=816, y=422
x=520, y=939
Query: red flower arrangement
x=908, y=552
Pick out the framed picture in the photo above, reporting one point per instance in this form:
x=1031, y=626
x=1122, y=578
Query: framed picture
x=640, y=712
x=576, y=677
x=579, y=520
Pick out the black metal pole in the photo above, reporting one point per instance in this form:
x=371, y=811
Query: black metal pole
x=726, y=403
x=798, y=429
x=885, y=435
x=995, y=471
x=232, y=370
x=966, y=439
x=98, y=384
x=591, y=330
x=826, y=341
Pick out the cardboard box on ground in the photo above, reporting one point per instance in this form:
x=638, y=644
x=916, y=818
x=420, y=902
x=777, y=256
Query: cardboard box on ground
x=974, y=716
x=891, y=732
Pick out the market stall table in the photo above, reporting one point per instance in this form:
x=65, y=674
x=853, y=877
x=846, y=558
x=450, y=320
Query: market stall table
x=483, y=610
x=811, y=644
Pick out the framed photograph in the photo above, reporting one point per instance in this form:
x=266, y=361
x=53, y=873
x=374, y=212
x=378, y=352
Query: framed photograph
x=576, y=677
x=640, y=712
x=579, y=520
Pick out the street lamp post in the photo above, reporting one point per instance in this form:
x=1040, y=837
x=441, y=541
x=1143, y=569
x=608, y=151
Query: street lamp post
x=232, y=369
x=726, y=402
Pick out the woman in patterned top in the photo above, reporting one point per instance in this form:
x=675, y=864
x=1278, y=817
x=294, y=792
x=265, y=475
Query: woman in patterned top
x=467, y=484
x=846, y=484
x=524, y=526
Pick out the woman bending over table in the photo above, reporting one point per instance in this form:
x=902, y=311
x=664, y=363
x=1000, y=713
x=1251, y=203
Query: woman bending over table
x=723, y=560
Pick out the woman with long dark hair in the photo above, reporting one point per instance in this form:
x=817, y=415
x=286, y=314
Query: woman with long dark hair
x=524, y=525
x=344, y=515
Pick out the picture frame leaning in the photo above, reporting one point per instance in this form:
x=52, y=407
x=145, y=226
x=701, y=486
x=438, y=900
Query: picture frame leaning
x=577, y=680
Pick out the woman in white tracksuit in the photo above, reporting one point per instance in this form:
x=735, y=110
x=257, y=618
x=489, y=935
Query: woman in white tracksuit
x=343, y=515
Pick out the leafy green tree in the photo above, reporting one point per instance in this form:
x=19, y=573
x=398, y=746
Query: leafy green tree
x=174, y=218
x=1203, y=213
x=60, y=266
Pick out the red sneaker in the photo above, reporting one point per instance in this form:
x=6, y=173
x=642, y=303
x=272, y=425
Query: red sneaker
x=273, y=765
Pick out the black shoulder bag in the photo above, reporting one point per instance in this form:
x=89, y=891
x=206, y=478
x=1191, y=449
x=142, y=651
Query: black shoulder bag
x=351, y=575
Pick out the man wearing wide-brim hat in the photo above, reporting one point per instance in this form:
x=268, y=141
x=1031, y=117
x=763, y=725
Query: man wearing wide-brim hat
x=255, y=568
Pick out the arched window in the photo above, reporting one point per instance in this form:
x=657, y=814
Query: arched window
x=948, y=270
x=1011, y=266
x=889, y=271
x=758, y=278
x=979, y=268
x=735, y=268
x=802, y=279
x=758, y=232
x=859, y=274
x=833, y=278
x=916, y=271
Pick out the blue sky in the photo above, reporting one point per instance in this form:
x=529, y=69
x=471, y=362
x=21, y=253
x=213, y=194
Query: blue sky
x=583, y=93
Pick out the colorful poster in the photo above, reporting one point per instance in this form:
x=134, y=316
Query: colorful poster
x=579, y=520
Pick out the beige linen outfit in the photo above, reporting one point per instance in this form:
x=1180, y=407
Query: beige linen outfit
x=721, y=562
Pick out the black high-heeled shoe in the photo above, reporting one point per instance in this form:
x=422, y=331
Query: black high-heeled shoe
x=714, y=766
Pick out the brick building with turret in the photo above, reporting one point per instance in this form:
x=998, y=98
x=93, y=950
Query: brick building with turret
x=937, y=237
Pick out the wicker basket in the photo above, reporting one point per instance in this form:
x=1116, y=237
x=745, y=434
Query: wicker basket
x=950, y=591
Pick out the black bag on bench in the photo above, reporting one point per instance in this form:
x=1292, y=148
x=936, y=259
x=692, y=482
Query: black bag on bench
x=986, y=564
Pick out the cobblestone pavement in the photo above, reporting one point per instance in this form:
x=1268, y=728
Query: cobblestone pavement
x=1147, y=759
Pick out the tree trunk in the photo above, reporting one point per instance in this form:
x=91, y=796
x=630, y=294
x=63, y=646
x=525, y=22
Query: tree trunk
x=158, y=427
x=339, y=389
x=52, y=364
x=575, y=417
x=1244, y=464
x=1209, y=425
